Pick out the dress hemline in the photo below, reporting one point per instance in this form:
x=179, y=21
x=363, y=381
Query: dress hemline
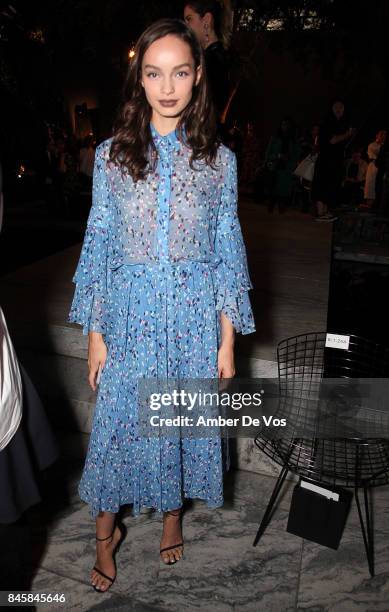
x=211, y=505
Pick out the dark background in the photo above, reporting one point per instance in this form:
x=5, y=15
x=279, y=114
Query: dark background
x=289, y=57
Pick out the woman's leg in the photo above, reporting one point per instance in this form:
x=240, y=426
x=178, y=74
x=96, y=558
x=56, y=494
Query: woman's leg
x=105, y=527
x=171, y=534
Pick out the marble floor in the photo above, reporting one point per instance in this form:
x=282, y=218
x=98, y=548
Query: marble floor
x=221, y=571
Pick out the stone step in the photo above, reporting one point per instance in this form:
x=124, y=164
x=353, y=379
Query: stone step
x=66, y=339
x=61, y=381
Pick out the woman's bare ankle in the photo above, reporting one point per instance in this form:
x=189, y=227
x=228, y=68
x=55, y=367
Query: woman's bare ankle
x=105, y=526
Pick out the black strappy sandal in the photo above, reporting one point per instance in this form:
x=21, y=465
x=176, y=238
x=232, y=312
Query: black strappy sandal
x=174, y=545
x=123, y=531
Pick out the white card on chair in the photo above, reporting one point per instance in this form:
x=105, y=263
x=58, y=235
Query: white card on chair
x=337, y=341
x=320, y=490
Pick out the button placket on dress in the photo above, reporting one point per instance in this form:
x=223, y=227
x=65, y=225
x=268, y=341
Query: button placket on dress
x=166, y=146
x=165, y=161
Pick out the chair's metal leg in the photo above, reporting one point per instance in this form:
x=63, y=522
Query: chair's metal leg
x=268, y=512
x=367, y=530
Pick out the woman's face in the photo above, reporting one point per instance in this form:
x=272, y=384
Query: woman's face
x=196, y=23
x=169, y=75
x=338, y=109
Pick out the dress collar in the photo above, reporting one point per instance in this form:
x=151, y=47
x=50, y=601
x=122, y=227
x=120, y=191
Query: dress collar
x=169, y=140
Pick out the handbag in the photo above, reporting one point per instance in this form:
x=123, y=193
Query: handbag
x=318, y=514
x=11, y=390
x=306, y=167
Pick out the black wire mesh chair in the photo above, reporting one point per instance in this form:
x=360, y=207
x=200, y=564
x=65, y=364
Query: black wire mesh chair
x=357, y=458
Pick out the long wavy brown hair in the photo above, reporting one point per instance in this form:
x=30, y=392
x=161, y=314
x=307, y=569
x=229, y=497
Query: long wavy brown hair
x=132, y=146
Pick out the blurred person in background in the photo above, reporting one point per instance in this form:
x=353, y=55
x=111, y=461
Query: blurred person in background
x=354, y=180
x=373, y=151
x=207, y=19
x=309, y=142
x=281, y=158
x=335, y=132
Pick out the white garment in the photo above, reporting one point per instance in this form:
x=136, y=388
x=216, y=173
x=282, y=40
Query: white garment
x=371, y=175
x=11, y=391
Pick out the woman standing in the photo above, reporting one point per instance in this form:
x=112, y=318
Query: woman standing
x=162, y=286
x=329, y=168
x=373, y=151
x=205, y=18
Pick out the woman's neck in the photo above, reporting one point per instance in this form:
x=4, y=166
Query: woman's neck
x=211, y=39
x=164, y=125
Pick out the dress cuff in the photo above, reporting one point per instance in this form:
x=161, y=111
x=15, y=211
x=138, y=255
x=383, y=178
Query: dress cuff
x=89, y=301
x=88, y=310
x=237, y=308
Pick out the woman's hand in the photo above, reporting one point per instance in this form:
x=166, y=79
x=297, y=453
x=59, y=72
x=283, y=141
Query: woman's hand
x=97, y=355
x=225, y=361
x=225, y=357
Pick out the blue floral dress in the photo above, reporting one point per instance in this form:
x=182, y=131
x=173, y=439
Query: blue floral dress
x=161, y=258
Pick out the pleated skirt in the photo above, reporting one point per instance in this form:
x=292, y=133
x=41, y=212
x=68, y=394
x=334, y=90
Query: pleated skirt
x=162, y=324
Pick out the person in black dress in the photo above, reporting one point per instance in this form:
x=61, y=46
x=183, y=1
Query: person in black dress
x=334, y=134
x=205, y=18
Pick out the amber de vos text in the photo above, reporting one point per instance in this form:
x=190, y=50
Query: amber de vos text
x=188, y=401
x=201, y=421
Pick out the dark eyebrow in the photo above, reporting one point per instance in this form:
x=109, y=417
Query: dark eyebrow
x=175, y=67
